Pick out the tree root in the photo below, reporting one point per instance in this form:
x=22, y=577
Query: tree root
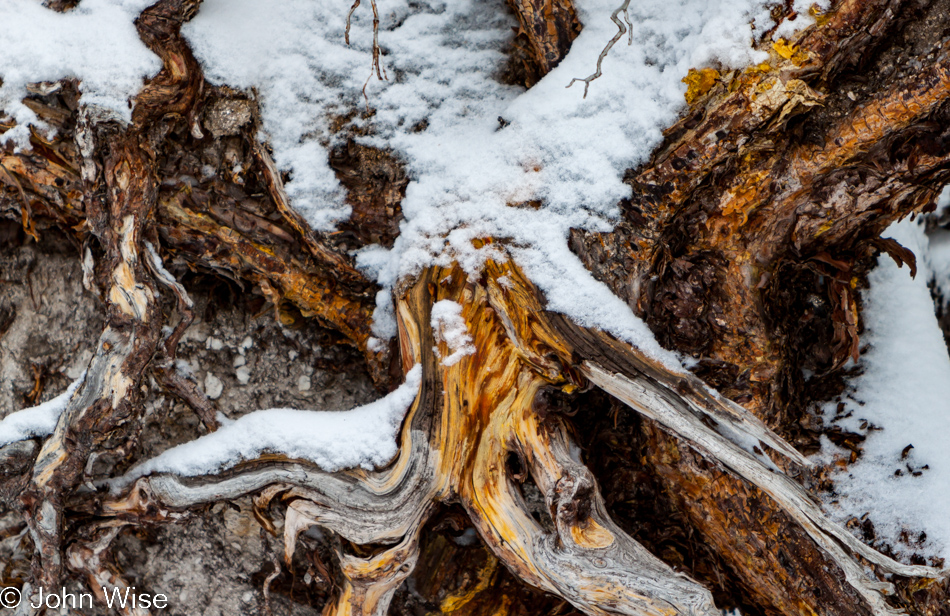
x=478, y=428
x=105, y=405
x=370, y=583
x=93, y=559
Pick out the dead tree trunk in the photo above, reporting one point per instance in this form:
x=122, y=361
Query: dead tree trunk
x=777, y=181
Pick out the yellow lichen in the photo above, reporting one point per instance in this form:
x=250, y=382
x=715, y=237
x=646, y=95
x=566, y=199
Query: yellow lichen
x=790, y=52
x=743, y=199
x=699, y=82
x=783, y=49
x=750, y=75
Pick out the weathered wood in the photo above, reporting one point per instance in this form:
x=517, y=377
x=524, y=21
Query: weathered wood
x=744, y=525
x=480, y=414
x=774, y=165
x=104, y=414
x=93, y=559
x=315, y=291
x=106, y=403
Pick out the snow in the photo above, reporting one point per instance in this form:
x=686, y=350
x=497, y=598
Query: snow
x=474, y=148
x=938, y=253
x=333, y=440
x=449, y=326
x=95, y=42
x=214, y=386
x=905, y=391
x=483, y=147
x=803, y=19
x=37, y=421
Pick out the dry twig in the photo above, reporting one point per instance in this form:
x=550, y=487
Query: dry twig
x=621, y=30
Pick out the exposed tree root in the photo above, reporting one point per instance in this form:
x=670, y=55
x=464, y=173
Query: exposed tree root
x=104, y=409
x=481, y=429
x=316, y=292
x=774, y=164
x=93, y=559
x=475, y=432
x=547, y=29
x=369, y=583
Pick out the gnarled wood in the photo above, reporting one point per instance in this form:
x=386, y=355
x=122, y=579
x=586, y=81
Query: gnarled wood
x=492, y=395
x=547, y=29
x=106, y=401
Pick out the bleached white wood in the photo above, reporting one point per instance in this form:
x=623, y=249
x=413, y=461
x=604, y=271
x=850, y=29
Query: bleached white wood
x=654, y=401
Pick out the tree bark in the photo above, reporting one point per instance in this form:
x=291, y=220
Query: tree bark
x=776, y=183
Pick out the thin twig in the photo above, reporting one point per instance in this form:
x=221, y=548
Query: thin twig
x=346, y=35
x=380, y=72
x=376, y=65
x=621, y=30
x=380, y=75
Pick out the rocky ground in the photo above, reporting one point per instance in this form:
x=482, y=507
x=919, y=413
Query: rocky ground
x=243, y=354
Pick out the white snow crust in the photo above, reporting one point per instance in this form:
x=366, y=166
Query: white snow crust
x=364, y=436
x=37, y=421
x=803, y=18
x=95, y=42
x=449, y=326
x=473, y=147
x=904, y=391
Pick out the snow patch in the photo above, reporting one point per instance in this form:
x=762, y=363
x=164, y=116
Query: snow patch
x=37, y=421
x=214, y=386
x=475, y=149
x=364, y=437
x=293, y=54
x=905, y=391
x=803, y=18
x=938, y=254
x=96, y=43
x=449, y=326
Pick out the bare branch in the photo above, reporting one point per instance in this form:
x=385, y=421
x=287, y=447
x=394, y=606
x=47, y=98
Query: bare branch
x=621, y=30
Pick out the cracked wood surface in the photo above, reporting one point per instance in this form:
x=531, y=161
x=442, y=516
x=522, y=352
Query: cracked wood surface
x=778, y=165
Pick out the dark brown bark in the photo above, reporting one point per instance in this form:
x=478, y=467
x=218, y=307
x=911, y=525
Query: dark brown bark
x=547, y=29
x=739, y=211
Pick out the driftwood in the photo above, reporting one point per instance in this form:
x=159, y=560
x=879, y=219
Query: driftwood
x=773, y=174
